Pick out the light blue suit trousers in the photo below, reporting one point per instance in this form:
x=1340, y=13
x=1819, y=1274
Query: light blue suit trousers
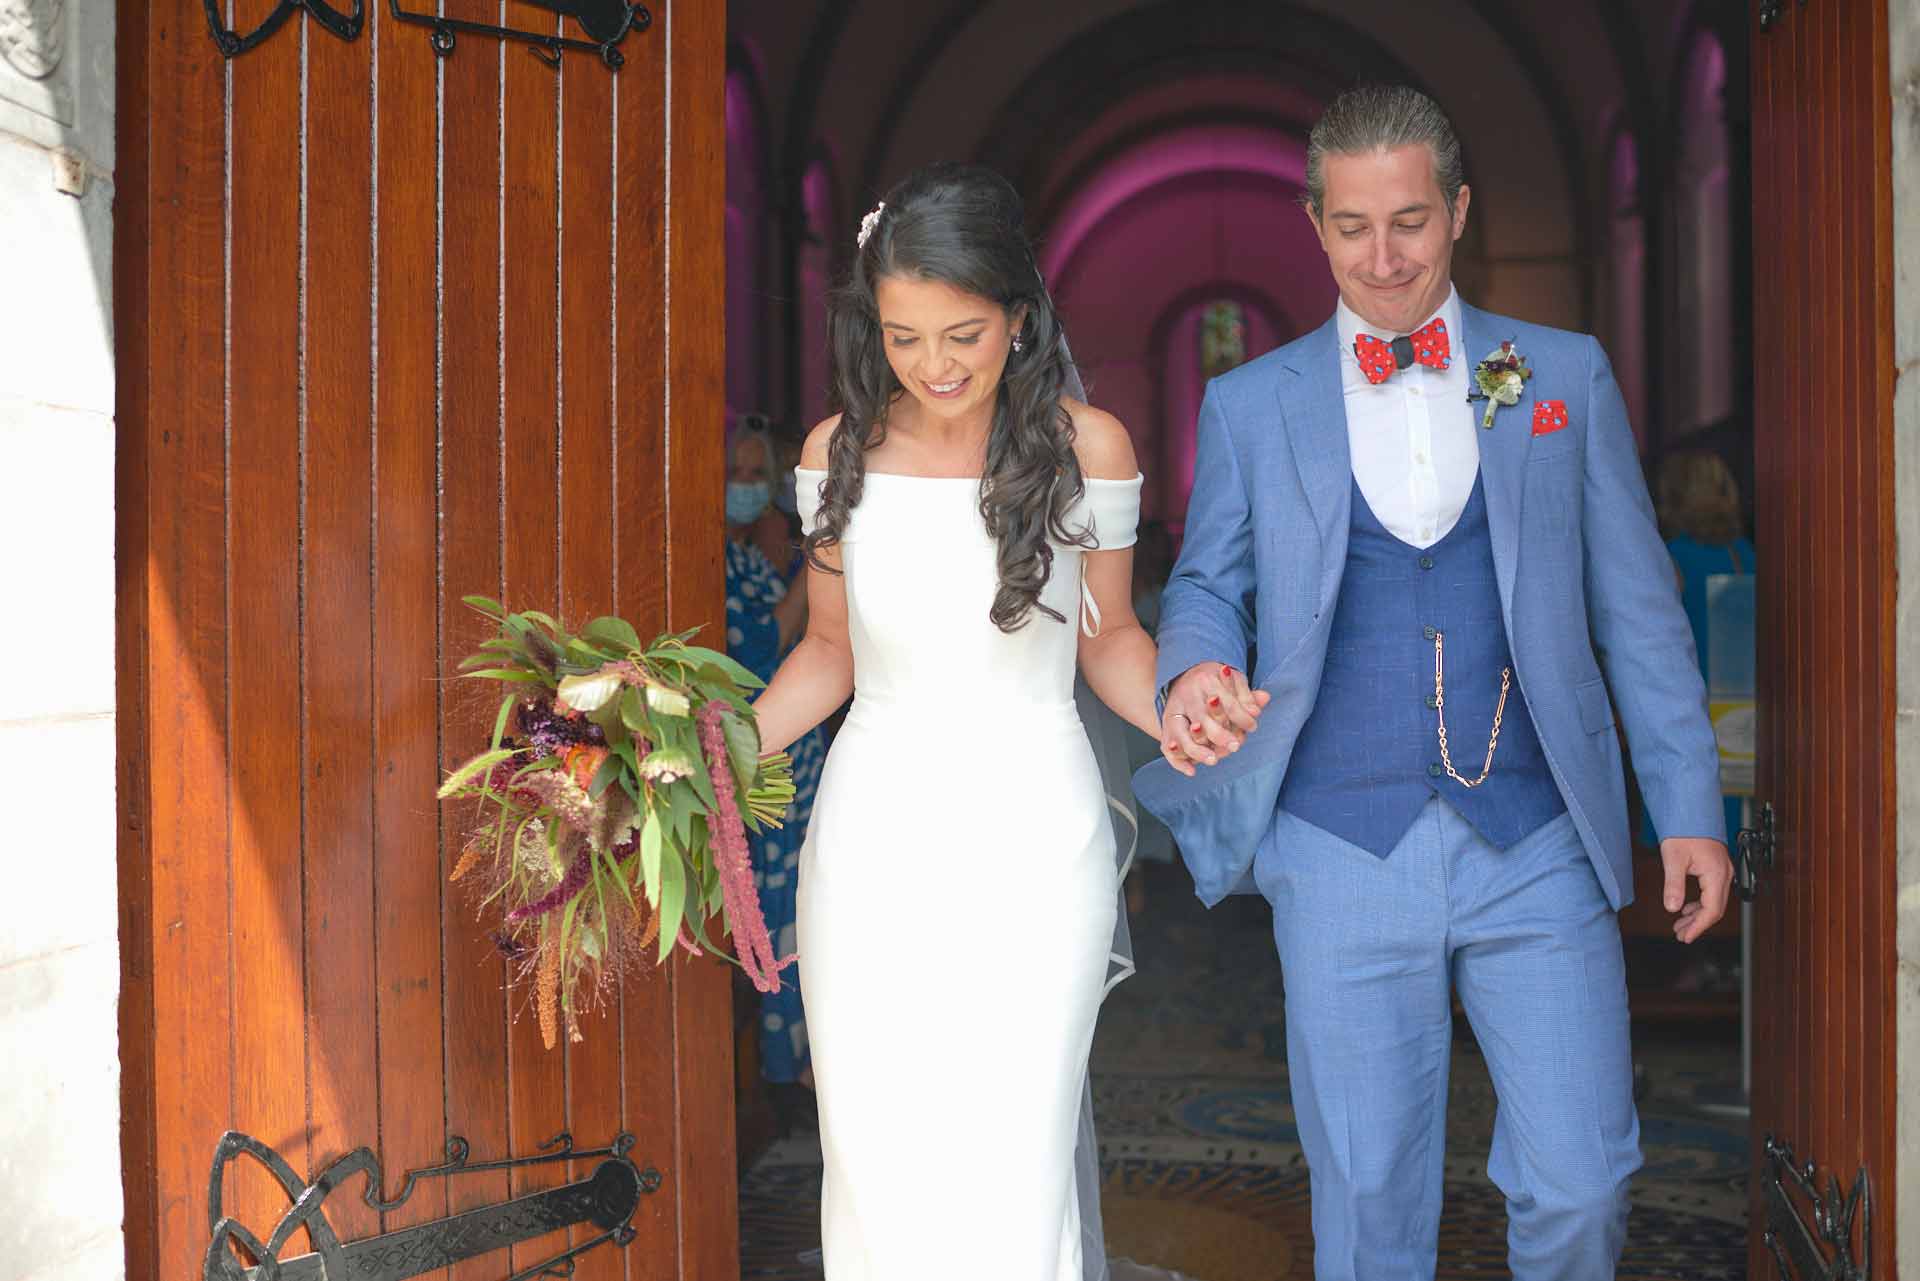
x=1372, y=950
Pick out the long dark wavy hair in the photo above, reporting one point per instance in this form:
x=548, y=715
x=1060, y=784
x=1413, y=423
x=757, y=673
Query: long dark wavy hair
x=961, y=225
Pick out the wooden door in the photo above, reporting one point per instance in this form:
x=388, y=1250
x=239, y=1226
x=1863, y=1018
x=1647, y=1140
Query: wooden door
x=395, y=327
x=1824, y=915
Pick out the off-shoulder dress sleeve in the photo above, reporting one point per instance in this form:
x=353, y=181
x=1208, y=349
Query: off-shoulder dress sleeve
x=1110, y=511
x=806, y=496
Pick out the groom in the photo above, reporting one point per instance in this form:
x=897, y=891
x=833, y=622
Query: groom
x=1446, y=611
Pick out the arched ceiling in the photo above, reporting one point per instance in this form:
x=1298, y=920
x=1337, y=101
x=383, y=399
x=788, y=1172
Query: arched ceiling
x=1222, y=98
x=825, y=62
x=1161, y=158
x=1537, y=91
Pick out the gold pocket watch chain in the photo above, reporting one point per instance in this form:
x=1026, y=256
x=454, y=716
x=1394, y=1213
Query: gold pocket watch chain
x=1440, y=704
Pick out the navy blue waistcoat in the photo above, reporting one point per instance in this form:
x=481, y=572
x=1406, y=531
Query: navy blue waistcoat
x=1368, y=757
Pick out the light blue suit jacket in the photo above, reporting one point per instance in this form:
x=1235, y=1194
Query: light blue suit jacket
x=1586, y=586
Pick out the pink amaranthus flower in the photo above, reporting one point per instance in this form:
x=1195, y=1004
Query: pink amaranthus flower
x=729, y=836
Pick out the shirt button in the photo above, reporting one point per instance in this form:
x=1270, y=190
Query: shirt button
x=1426, y=562
x=1434, y=770
x=1413, y=391
x=1421, y=459
x=1429, y=632
x=1433, y=702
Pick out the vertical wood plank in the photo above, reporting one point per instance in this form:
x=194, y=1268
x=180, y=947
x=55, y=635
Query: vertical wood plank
x=1880, y=885
x=471, y=538
x=1829, y=596
x=265, y=719
x=1802, y=426
x=1842, y=850
x=1851, y=751
x=586, y=499
x=176, y=961
x=696, y=365
x=407, y=886
x=134, y=596
x=531, y=488
x=638, y=349
x=1858, y=642
x=1879, y=997
x=338, y=625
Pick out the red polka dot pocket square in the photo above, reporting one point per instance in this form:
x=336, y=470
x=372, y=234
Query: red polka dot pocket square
x=1549, y=416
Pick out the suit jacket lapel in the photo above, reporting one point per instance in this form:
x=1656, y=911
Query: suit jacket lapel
x=1315, y=413
x=1503, y=454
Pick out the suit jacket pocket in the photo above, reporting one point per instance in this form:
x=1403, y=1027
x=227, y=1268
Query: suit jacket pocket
x=1554, y=446
x=1596, y=709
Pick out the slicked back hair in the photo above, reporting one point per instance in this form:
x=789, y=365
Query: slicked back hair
x=1371, y=118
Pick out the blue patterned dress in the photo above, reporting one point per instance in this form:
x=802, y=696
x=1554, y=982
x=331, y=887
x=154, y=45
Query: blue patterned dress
x=754, y=587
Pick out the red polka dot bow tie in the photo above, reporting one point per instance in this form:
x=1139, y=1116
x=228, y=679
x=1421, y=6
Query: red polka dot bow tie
x=1426, y=345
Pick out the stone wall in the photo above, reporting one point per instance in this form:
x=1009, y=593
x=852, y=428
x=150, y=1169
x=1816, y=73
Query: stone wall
x=59, y=952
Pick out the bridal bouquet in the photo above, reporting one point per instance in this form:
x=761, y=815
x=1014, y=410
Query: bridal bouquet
x=614, y=801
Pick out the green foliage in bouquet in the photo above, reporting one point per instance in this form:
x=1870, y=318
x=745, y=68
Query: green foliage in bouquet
x=614, y=800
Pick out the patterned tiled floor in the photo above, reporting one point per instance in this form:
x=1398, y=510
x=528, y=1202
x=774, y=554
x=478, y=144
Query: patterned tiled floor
x=1199, y=1146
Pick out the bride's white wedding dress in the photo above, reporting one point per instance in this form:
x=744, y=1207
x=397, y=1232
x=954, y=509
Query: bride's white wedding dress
x=957, y=899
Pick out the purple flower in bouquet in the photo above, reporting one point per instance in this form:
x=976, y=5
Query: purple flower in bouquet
x=550, y=732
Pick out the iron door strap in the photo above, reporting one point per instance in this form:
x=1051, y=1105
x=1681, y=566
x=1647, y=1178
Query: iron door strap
x=604, y=22
x=1754, y=852
x=1816, y=1246
x=606, y=1199
x=232, y=44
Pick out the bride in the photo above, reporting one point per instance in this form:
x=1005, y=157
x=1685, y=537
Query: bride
x=969, y=529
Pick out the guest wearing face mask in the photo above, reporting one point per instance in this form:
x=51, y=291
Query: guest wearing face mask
x=765, y=616
x=777, y=532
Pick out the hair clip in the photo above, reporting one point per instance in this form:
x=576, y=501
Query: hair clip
x=867, y=224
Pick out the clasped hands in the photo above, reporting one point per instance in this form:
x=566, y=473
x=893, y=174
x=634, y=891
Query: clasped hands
x=1209, y=712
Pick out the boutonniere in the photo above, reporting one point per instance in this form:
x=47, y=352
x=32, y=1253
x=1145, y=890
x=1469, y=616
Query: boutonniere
x=1499, y=379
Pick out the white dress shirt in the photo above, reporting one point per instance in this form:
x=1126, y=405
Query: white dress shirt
x=1411, y=438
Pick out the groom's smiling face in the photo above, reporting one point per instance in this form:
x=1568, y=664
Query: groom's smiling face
x=1389, y=234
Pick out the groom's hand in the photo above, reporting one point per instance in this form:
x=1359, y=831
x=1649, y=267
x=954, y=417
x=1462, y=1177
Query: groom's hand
x=1209, y=712
x=1704, y=859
